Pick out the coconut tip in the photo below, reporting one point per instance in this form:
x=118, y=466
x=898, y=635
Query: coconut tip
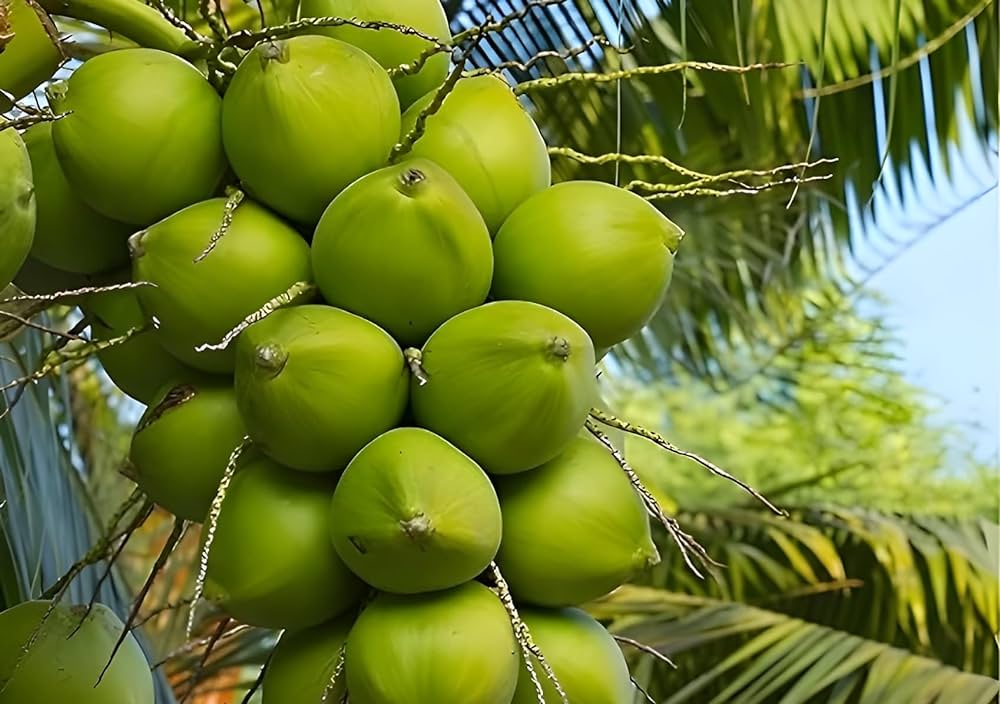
x=136, y=241
x=270, y=359
x=409, y=181
x=558, y=348
x=417, y=528
x=275, y=50
x=56, y=93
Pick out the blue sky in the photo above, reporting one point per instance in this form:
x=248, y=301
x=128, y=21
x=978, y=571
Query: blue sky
x=943, y=292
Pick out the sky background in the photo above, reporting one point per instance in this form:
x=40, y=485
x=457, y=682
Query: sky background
x=943, y=293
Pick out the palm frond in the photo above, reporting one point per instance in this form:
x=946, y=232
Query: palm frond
x=47, y=519
x=765, y=656
x=925, y=584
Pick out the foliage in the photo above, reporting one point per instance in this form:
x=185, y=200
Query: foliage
x=921, y=66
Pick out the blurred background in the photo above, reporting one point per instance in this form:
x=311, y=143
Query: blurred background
x=831, y=336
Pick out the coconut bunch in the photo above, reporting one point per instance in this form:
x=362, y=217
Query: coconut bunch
x=366, y=327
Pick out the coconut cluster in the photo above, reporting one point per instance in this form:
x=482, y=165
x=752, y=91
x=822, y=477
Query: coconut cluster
x=367, y=336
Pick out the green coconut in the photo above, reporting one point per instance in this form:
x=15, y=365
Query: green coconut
x=271, y=563
x=197, y=303
x=388, y=47
x=442, y=256
x=17, y=205
x=303, y=118
x=182, y=445
x=140, y=367
x=600, y=254
x=315, y=384
x=140, y=137
x=450, y=646
x=412, y=514
x=484, y=138
x=573, y=529
x=303, y=663
x=585, y=658
x=69, y=234
x=67, y=657
x=510, y=383
x=30, y=51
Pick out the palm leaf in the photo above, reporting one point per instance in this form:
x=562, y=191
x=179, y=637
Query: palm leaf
x=47, y=519
x=764, y=656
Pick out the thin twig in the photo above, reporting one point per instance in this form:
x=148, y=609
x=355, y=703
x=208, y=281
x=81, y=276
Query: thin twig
x=613, y=76
x=176, y=533
x=657, y=439
x=234, y=198
x=298, y=290
x=247, y=39
x=213, y=525
x=199, y=668
x=685, y=542
x=646, y=649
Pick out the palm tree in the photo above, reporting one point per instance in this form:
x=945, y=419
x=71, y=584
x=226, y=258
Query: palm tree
x=759, y=271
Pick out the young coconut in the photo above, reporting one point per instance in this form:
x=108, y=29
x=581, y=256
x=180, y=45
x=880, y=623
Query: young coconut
x=391, y=48
x=17, y=205
x=315, y=384
x=182, y=444
x=449, y=646
x=198, y=302
x=140, y=137
x=69, y=234
x=66, y=657
x=585, y=658
x=510, y=383
x=412, y=513
x=484, y=138
x=303, y=665
x=271, y=563
x=442, y=256
x=140, y=367
x=573, y=529
x=303, y=118
x=30, y=51
x=599, y=254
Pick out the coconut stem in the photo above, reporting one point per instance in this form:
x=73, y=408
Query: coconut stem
x=273, y=51
x=523, y=636
x=298, y=290
x=414, y=359
x=213, y=524
x=338, y=671
x=654, y=437
x=235, y=198
x=135, y=20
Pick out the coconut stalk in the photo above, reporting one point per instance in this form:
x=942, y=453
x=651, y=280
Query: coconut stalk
x=133, y=19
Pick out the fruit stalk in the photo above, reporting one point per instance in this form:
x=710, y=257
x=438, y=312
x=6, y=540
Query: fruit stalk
x=130, y=18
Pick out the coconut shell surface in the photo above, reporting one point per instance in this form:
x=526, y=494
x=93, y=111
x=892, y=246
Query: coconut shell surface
x=485, y=139
x=574, y=528
x=585, y=658
x=17, y=205
x=509, y=383
x=405, y=248
x=303, y=663
x=182, y=444
x=303, y=118
x=69, y=234
x=271, y=563
x=141, y=138
x=599, y=254
x=198, y=302
x=315, y=384
x=450, y=646
x=412, y=513
x=389, y=48
x=63, y=665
